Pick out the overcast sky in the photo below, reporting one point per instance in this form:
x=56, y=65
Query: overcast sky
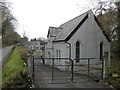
x=35, y=16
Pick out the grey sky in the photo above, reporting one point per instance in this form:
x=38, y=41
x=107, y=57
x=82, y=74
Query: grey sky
x=35, y=16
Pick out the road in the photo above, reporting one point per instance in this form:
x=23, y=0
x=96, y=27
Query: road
x=61, y=79
x=4, y=53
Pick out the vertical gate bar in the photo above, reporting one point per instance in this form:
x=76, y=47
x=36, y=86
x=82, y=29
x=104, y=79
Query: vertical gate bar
x=33, y=69
x=88, y=66
x=102, y=67
x=72, y=70
x=52, y=69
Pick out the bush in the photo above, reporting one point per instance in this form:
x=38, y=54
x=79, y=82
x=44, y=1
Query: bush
x=22, y=80
x=23, y=52
x=113, y=78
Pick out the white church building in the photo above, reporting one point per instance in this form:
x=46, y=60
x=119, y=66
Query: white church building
x=80, y=37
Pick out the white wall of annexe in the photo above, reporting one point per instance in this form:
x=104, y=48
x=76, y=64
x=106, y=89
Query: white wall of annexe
x=63, y=52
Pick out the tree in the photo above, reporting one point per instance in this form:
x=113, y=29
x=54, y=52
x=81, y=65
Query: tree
x=24, y=39
x=9, y=35
x=42, y=40
x=111, y=24
x=118, y=28
x=103, y=6
x=0, y=20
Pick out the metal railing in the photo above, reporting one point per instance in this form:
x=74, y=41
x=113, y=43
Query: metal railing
x=90, y=67
x=69, y=70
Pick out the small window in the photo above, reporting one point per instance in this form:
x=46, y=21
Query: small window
x=59, y=55
x=77, y=51
x=101, y=50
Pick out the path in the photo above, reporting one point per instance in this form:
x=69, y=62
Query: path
x=4, y=52
x=43, y=79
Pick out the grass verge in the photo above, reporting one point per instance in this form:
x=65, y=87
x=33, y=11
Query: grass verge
x=14, y=67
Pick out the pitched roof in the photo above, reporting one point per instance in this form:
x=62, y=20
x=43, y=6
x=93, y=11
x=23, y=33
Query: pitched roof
x=65, y=31
x=53, y=31
x=68, y=27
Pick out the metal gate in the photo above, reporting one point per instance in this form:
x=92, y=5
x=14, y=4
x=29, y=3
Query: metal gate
x=66, y=70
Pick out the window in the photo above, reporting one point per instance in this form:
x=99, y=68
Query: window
x=77, y=51
x=101, y=50
x=59, y=55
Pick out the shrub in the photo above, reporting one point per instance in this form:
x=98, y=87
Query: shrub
x=113, y=78
x=23, y=52
x=22, y=80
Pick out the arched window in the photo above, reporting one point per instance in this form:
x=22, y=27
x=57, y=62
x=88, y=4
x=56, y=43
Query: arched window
x=77, y=51
x=59, y=55
x=101, y=50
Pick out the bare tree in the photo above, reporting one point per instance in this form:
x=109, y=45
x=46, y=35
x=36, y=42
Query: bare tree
x=9, y=23
x=101, y=6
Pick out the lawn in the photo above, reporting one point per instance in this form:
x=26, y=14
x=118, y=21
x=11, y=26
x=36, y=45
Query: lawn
x=13, y=67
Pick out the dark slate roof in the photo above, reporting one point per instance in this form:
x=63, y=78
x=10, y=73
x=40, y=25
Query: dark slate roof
x=53, y=31
x=68, y=28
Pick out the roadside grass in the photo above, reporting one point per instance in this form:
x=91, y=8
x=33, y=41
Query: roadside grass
x=13, y=67
x=0, y=78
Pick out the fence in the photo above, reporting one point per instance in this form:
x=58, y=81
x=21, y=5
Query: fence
x=65, y=70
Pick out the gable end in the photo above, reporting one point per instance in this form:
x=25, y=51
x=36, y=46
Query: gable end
x=76, y=28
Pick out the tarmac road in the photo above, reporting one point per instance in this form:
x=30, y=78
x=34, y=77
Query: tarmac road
x=3, y=54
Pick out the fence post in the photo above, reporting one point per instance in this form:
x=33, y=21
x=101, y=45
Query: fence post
x=103, y=68
x=88, y=66
x=72, y=63
x=33, y=68
x=52, y=69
